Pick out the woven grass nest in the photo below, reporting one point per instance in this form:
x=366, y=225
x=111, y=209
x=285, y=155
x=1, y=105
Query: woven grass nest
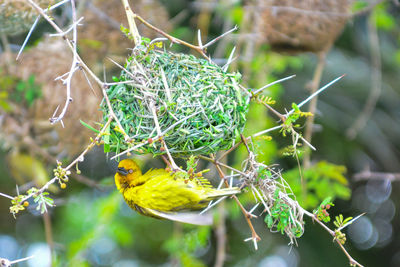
x=301, y=26
x=200, y=108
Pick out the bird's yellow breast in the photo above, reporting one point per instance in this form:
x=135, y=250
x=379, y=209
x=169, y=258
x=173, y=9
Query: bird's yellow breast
x=165, y=192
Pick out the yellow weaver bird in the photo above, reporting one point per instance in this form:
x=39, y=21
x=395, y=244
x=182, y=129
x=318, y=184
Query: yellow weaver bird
x=161, y=194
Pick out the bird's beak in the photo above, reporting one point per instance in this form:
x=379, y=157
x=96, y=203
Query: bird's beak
x=122, y=171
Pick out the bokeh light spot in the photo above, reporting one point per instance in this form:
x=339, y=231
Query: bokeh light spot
x=385, y=231
x=42, y=255
x=8, y=247
x=378, y=191
x=273, y=261
x=361, y=230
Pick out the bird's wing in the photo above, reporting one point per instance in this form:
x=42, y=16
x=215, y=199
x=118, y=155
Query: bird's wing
x=183, y=217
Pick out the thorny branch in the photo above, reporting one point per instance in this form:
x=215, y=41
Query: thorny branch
x=248, y=215
x=7, y=263
x=77, y=62
x=73, y=163
x=254, y=236
x=221, y=236
x=199, y=48
x=352, y=261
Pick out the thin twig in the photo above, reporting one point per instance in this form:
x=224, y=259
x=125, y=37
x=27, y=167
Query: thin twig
x=131, y=21
x=7, y=196
x=254, y=235
x=73, y=68
x=49, y=234
x=226, y=66
x=34, y=26
x=276, y=113
x=77, y=61
x=313, y=105
x=199, y=49
x=267, y=130
x=299, y=106
x=256, y=92
x=126, y=136
x=376, y=81
x=230, y=150
x=75, y=161
x=153, y=110
x=220, y=234
x=316, y=93
x=368, y=175
x=218, y=163
x=221, y=36
x=332, y=233
x=7, y=263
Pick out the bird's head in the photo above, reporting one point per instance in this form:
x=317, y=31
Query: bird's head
x=127, y=173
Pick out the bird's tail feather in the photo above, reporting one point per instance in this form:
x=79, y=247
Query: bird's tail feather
x=223, y=192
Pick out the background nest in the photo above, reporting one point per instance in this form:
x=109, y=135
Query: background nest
x=100, y=35
x=26, y=126
x=301, y=26
x=200, y=108
x=17, y=16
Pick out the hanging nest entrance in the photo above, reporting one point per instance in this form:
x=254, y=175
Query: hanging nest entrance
x=199, y=107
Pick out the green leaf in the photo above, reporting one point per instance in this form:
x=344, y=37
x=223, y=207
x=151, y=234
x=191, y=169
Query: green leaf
x=323, y=180
x=106, y=138
x=269, y=221
x=237, y=14
x=89, y=127
x=359, y=5
x=382, y=18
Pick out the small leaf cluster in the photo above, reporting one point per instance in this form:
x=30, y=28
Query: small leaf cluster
x=18, y=204
x=290, y=151
x=263, y=173
x=18, y=90
x=42, y=200
x=190, y=173
x=61, y=174
x=126, y=32
x=6, y=85
x=322, y=179
x=340, y=223
x=322, y=211
x=191, y=164
x=289, y=123
x=27, y=91
x=267, y=100
x=281, y=218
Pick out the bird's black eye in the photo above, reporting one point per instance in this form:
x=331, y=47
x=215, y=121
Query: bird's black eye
x=122, y=171
x=130, y=171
